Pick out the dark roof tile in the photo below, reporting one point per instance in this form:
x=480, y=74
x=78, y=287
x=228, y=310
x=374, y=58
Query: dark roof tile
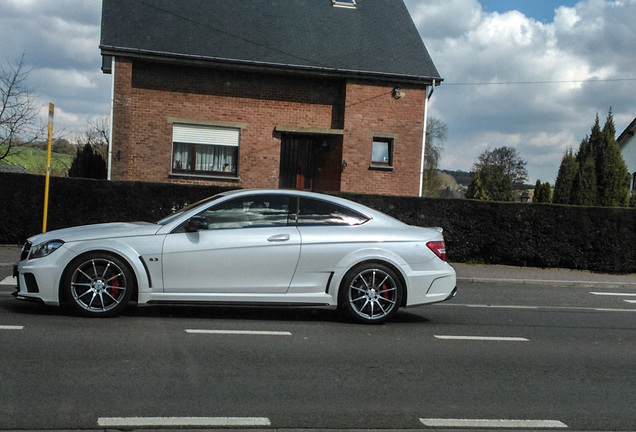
x=375, y=38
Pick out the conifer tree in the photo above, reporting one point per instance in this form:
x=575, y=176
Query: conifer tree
x=542, y=193
x=565, y=178
x=88, y=164
x=601, y=177
x=612, y=175
x=584, y=188
x=476, y=189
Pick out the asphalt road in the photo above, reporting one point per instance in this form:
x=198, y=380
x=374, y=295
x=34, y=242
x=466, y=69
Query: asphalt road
x=495, y=356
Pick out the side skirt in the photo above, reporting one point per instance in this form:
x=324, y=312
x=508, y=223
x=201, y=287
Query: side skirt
x=238, y=304
x=276, y=300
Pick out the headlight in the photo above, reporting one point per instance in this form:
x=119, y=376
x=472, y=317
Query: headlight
x=44, y=249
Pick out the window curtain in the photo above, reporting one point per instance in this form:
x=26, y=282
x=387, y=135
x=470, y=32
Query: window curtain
x=215, y=158
x=181, y=156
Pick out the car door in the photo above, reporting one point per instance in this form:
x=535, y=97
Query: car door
x=249, y=247
x=329, y=233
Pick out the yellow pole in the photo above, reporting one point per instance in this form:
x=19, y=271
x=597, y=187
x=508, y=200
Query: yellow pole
x=48, y=168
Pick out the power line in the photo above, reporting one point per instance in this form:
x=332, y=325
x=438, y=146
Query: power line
x=446, y=83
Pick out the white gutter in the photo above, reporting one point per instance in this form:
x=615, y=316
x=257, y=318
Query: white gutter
x=112, y=107
x=428, y=97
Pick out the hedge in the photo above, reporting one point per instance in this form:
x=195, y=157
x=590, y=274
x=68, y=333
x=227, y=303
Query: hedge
x=74, y=201
x=537, y=235
x=528, y=234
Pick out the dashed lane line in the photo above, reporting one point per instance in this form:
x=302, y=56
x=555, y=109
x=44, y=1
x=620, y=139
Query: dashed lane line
x=239, y=332
x=539, y=308
x=485, y=423
x=115, y=422
x=483, y=338
x=11, y=327
x=618, y=294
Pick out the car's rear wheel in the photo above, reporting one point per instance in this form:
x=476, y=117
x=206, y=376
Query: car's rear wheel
x=98, y=284
x=371, y=293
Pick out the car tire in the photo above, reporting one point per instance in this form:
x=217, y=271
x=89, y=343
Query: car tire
x=371, y=293
x=98, y=285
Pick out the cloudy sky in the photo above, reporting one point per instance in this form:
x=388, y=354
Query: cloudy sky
x=530, y=74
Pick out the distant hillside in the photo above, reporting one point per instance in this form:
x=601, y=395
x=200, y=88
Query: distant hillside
x=464, y=178
x=34, y=161
x=461, y=177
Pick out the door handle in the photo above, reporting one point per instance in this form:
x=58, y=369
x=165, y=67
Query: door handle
x=279, y=238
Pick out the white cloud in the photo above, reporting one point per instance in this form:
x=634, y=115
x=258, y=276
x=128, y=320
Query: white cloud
x=431, y=17
x=59, y=40
x=530, y=87
x=554, y=109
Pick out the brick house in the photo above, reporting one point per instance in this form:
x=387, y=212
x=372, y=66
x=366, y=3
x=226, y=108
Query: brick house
x=323, y=95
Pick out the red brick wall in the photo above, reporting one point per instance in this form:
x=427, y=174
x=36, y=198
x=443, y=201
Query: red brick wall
x=371, y=110
x=148, y=95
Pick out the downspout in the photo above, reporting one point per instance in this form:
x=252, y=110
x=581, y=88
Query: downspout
x=428, y=97
x=112, y=107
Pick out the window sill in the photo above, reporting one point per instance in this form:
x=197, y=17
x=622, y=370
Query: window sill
x=373, y=167
x=234, y=179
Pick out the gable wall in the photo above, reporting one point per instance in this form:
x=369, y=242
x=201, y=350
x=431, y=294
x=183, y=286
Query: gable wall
x=371, y=110
x=629, y=155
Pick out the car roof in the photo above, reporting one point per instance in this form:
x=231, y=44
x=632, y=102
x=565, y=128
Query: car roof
x=367, y=211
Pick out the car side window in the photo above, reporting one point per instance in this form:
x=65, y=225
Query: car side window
x=248, y=212
x=319, y=212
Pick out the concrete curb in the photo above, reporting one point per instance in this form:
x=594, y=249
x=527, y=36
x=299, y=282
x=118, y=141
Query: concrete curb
x=560, y=283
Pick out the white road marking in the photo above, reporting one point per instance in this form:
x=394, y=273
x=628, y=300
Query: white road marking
x=614, y=294
x=499, y=306
x=11, y=327
x=539, y=308
x=239, y=332
x=483, y=338
x=10, y=281
x=630, y=301
x=182, y=421
x=482, y=423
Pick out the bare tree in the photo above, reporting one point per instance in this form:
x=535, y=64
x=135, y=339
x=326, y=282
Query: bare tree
x=18, y=109
x=96, y=135
x=435, y=137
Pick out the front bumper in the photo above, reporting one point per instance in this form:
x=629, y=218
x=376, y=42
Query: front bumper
x=36, y=281
x=26, y=286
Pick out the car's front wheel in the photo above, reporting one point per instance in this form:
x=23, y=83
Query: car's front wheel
x=371, y=293
x=98, y=284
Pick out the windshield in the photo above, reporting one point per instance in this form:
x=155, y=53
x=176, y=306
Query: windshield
x=176, y=214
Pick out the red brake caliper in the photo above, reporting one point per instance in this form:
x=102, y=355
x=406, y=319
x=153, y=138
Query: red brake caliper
x=114, y=291
x=385, y=291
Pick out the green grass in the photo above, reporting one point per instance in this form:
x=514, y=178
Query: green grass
x=34, y=160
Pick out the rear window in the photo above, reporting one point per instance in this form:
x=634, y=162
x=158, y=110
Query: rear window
x=318, y=212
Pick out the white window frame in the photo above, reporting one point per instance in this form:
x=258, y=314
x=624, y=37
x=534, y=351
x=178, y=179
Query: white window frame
x=389, y=160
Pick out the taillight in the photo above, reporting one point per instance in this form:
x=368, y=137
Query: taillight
x=438, y=248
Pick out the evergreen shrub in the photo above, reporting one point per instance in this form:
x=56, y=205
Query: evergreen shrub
x=537, y=235
x=78, y=201
x=523, y=234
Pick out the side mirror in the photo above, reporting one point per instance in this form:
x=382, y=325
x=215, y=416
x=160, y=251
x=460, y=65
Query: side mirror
x=196, y=223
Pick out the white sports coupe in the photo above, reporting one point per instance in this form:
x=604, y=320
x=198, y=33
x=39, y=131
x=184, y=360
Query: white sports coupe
x=246, y=247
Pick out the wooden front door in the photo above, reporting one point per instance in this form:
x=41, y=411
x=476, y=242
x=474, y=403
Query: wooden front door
x=297, y=162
